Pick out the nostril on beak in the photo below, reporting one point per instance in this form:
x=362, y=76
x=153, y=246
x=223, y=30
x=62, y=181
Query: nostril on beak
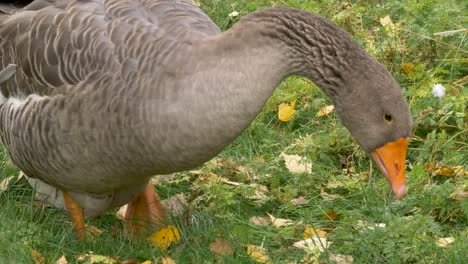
x=397, y=168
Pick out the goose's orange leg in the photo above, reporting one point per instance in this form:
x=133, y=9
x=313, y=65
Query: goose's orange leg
x=76, y=214
x=145, y=210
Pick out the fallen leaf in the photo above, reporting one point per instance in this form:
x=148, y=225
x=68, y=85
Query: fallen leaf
x=165, y=237
x=407, y=68
x=146, y=262
x=328, y=197
x=279, y=222
x=461, y=195
x=5, y=182
x=62, y=260
x=444, y=241
x=436, y=169
x=176, y=204
x=296, y=164
x=91, y=258
x=313, y=243
x=388, y=25
x=259, y=192
x=331, y=215
x=37, y=257
x=309, y=231
x=130, y=261
x=167, y=260
x=325, y=110
x=259, y=220
x=222, y=247
x=234, y=14
x=299, y=201
x=341, y=259
x=230, y=182
x=121, y=212
x=258, y=254
x=92, y=231
x=286, y=111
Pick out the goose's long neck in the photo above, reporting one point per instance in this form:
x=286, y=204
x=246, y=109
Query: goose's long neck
x=232, y=75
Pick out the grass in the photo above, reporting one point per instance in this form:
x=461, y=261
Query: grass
x=433, y=208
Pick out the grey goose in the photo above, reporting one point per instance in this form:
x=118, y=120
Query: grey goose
x=97, y=96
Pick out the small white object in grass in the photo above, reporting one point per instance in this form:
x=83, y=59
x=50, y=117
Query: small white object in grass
x=445, y=241
x=438, y=90
x=233, y=14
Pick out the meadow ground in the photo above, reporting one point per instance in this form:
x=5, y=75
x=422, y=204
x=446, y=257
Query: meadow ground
x=342, y=197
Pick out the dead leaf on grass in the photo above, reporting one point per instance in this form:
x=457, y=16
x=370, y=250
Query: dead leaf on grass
x=222, y=247
x=341, y=259
x=176, y=204
x=62, y=260
x=130, y=261
x=309, y=231
x=296, y=163
x=444, y=241
x=92, y=231
x=165, y=237
x=325, y=110
x=328, y=197
x=258, y=254
x=91, y=258
x=313, y=243
x=121, y=212
x=330, y=215
x=259, y=193
x=167, y=260
x=286, y=111
x=279, y=222
x=5, y=182
x=37, y=257
x=259, y=220
x=436, y=169
x=299, y=201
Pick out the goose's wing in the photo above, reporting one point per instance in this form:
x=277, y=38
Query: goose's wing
x=57, y=44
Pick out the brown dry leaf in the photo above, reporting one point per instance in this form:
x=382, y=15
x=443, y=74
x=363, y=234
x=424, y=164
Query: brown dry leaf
x=331, y=215
x=296, y=164
x=92, y=231
x=167, y=260
x=299, y=201
x=62, y=260
x=286, y=111
x=341, y=259
x=259, y=159
x=461, y=195
x=176, y=204
x=445, y=241
x=165, y=237
x=407, y=68
x=259, y=220
x=90, y=258
x=5, y=182
x=146, y=262
x=279, y=222
x=258, y=254
x=37, y=257
x=325, y=110
x=309, y=231
x=436, y=169
x=313, y=243
x=222, y=247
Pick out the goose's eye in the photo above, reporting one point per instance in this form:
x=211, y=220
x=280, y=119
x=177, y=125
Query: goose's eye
x=388, y=118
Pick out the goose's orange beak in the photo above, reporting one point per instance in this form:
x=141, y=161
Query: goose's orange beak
x=390, y=159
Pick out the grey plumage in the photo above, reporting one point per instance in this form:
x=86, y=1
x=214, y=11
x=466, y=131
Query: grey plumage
x=108, y=93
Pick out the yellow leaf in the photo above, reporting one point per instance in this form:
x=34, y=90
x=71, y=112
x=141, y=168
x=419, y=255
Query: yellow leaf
x=258, y=254
x=388, y=25
x=286, y=111
x=279, y=222
x=313, y=243
x=167, y=260
x=407, y=68
x=436, y=169
x=325, y=110
x=146, y=262
x=309, y=231
x=165, y=237
x=38, y=258
x=331, y=215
